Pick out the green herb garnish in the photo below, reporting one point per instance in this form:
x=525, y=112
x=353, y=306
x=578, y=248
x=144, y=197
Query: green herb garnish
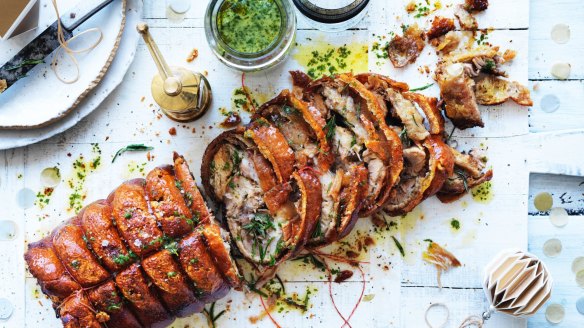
x=26, y=62
x=399, y=246
x=211, y=316
x=455, y=224
x=421, y=88
x=133, y=147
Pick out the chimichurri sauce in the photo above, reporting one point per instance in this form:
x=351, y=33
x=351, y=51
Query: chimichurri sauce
x=249, y=26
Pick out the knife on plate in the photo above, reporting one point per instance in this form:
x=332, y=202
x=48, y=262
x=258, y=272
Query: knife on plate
x=46, y=42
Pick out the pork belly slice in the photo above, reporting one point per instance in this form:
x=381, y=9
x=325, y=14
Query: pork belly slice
x=476, y=5
x=300, y=128
x=356, y=134
x=132, y=216
x=144, y=301
x=198, y=264
x=189, y=189
x=218, y=244
x=273, y=146
x=109, y=304
x=167, y=275
x=77, y=312
x=456, y=89
x=102, y=236
x=168, y=204
x=45, y=266
x=468, y=172
x=72, y=250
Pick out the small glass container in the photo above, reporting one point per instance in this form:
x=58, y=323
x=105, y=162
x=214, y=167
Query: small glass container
x=249, y=61
x=332, y=15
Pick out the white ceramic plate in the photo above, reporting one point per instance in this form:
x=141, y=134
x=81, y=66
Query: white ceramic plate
x=56, y=106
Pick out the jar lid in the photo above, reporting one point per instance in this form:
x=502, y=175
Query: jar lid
x=330, y=15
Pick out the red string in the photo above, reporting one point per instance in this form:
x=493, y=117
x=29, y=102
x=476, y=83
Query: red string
x=268, y=312
x=353, y=263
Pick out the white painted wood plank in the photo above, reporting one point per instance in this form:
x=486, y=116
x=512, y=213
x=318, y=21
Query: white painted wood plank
x=569, y=115
x=566, y=291
x=543, y=51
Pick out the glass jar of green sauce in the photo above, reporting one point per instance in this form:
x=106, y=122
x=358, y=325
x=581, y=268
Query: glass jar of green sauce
x=250, y=35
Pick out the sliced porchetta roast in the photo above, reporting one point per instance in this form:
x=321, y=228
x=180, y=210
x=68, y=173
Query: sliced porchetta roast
x=427, y=160
x=147, y=253
x=361, y=142
x=302, y=126
x=270, y=214
x=469, y=171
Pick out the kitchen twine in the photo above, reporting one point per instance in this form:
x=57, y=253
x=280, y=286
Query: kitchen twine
x=64, y=46
x=470, y=321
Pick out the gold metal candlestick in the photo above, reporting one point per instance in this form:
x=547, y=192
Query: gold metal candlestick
x=182, y=95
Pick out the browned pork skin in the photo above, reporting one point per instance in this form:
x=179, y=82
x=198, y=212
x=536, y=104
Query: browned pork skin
x=167, y=276
x=76, y=312
x=189, y=189
x=167, y=202
x=135, y=288
x=72, y=251
x=133, y=219
x=46, y=267
x=268, y=225
x=440, y=26
x=427, y=160
x=356, y=135
x=102, y=236
x=199, y=266
x=114, y=312
x=71, y=258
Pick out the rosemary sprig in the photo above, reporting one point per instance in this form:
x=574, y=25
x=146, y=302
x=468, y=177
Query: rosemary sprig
x=329, y=128
x=399, y=246
x=421, y=88
x=463, y=176
x=132, y=147
x=211, y=316
x=25, y=63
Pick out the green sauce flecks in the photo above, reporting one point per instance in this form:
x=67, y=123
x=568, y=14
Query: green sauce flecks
x=455, y=224
x=483, y=193
x=249, y=26
x=321, y=58
x=81, y=168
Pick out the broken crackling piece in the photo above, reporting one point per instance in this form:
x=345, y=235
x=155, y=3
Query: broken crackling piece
x=113, y=265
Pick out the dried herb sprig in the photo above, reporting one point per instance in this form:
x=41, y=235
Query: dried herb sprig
x=132, y=147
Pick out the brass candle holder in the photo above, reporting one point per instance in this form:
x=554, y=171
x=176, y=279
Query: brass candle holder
x=182, y=95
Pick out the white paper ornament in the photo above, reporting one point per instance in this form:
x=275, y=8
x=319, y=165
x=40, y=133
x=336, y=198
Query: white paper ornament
x=517, y=283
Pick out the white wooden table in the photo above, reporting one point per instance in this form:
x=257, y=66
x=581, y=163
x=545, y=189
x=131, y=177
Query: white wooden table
x=129, y=116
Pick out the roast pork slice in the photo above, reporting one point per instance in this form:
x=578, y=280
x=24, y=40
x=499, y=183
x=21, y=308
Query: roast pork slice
x=45, y=266
x=76, y=312
x=72, y=250
x=137, y=290
x=110, y=306
x=103, y=237
x=456, y=89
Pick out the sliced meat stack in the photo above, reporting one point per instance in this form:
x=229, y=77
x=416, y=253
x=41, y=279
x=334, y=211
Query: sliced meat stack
x=315, y=159
x=149, y=252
